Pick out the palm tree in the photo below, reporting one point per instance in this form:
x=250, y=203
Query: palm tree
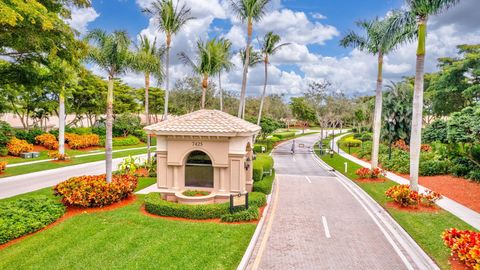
x=146, y=61
x=248, y=11
x=254, y=59
x=111, y=53
x=206, y=64
x=224, y=65
x=170, y=19
x=414, y=20
x=269, y=47
x=377, y=42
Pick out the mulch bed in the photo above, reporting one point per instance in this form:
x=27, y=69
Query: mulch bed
x=74, y=211
x=458, y=189
x=411, y=209
x=456, y=264
x=370, y=180
x=215, y=220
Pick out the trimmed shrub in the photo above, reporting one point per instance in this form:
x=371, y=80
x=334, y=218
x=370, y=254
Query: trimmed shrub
x=155, y=205
x=257, y=171
x=366, y=137
x=465, y=245
x=3, y=151
x=27, y=215
x=257, y=148
x=80, y=130
x=369, y=173
x=6, y=133
x=474, y=175
x=462, y=166
x=284, y=135
x=125, y=141
x=16, y=146
x=28, y=135
x=57, y=156
x=140, y=134
x=93, y=191
x=265, y=185
x=76, y=141
x=434, y=167
x=48, y=140
x=250, y=214
x=351, y=142
x=3, y=166
x=402, y=195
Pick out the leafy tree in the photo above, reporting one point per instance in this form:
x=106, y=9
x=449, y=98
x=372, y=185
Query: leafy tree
x=248, y=11
x=269, y=47
x=170, y=19
x=156, y=101
x=414, y=21
x=464, y=126
x=111, y=53
x=186, y=94
x=378, y=41
x=224, y=65
x=316, y=95
x=125, y=124
x=268, y=126
x=302, y=110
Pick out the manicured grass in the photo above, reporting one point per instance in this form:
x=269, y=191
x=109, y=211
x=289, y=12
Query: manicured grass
x=70, y=152
x=127, y=239
x=352, y=150
x=425, y=228
x=75, y=161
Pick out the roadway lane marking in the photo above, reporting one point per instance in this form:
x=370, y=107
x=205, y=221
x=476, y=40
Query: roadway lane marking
x=308, y=179
x=325, y=226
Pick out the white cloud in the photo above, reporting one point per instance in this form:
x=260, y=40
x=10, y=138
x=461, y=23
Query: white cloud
x=81, y=17
x=199, y=8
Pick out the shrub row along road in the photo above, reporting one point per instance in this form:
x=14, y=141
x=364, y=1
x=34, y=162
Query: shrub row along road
x=15, y=185
x=317, y=223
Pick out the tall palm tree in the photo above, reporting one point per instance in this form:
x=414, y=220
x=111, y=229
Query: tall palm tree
x=225, y=64
x=269, y=47
x=414, y=19
x=111, y=53
x=248, y=11
x=206, y=64
x=377, y=41
x=170, y=20
x=147, y=61
x=254, y=59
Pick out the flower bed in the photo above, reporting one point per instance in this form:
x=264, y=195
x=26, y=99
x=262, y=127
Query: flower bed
x=48, y=140
x=57, y=156
x=155, y=205
x=16, y=147
x=402, y=195
x=94, y=191
x=76, y=141
x=465, y=245
x=367, y=173
x=195, y=193
x=23, y=216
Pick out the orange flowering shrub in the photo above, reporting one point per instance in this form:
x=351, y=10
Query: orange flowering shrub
x=3, y=166
x=368, y=173
x=465, y=245
x=57, y=156
x=16, y=146
x=48, y=140
x=400, y=144
x=425, y=148
x=76, y=141
x=93, y=191
x=406, y=197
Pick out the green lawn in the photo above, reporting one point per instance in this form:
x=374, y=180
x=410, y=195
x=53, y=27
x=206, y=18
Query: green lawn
x=352, y=150
x=425, y=228
x=70, y=152
x=75, y=161
x=126, y=239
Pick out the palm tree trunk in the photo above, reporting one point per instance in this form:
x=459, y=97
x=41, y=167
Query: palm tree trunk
x=147, y=114
x=221, y=91
x=109, y=124
x=61, y=121
x=377, y=122
x=264, y=90
x=167, y=78
x=417, y=110
x=241, y=108
x=204, y=90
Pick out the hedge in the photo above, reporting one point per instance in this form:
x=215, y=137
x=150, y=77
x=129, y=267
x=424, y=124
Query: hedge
x=27, y=215
x=265, y=185
x=250, y=214
x=157, y=206
x=257, y=148
x=125, y=141
x=284, y=135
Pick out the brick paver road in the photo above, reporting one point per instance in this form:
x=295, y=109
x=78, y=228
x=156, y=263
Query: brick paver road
x=309, y=200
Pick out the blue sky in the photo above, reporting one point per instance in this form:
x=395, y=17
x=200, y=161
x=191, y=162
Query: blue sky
x=313, y=27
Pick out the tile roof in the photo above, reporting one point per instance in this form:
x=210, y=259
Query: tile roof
x=204, y=122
